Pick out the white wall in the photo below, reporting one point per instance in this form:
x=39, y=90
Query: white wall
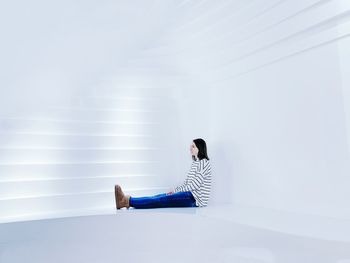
x=77, y=114
x=276, y=86
x=96, y=93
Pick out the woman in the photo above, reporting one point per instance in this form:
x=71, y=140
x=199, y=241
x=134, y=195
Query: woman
x=194, y=192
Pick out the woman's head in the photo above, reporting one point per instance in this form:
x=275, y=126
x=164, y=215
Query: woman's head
x=198, y=149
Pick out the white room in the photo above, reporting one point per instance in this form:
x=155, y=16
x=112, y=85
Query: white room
x=99, y=93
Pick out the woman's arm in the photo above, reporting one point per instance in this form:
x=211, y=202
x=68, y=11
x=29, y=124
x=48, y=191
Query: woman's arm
x=192, y=183
x=179, y=188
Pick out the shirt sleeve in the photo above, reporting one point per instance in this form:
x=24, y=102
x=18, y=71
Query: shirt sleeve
x=180, y=188
x=191, y=183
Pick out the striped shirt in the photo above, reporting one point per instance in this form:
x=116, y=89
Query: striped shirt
x=198, y=182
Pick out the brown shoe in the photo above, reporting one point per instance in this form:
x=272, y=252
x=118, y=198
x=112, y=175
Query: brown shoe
x=121, y=200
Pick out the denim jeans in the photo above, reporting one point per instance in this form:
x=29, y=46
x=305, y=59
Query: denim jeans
x=179, y=199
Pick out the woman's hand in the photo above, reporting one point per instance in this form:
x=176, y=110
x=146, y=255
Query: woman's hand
x=170, y=193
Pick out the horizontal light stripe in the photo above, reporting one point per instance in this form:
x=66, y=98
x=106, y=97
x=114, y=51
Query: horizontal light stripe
x=82, y=149
x=122, y=98
x=102, y=110
x=76, y=134
x=78, y=163
x=21, y=180
x=81, y=193
x=79, y=121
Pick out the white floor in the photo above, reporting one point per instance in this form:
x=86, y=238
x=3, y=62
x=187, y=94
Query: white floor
x=223, y=233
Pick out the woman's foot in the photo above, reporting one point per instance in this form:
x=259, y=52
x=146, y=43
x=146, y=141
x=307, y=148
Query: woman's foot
x=121, y=200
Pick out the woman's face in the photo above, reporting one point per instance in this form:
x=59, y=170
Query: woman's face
x=193, y=149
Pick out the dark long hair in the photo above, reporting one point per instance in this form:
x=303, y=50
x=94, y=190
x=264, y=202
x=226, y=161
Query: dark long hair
x=202, y=149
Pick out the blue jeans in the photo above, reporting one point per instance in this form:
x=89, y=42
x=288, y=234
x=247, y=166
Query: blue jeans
x=179, y=199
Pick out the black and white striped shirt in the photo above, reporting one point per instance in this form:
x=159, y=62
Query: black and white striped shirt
x=198, y=182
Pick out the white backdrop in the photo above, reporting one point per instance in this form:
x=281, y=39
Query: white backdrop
x=98, y=93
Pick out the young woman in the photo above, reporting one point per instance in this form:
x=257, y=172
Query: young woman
x=194, y=192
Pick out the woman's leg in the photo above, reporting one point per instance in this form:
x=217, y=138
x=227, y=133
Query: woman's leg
x=180, y=199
